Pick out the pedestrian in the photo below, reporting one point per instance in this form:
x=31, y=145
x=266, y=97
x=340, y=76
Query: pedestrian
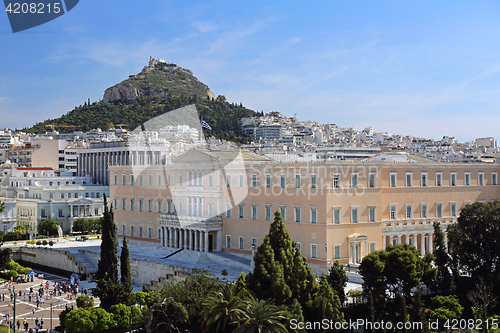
x=33, y=311
x=18, y=324
x=41, y=323
x=36, y=322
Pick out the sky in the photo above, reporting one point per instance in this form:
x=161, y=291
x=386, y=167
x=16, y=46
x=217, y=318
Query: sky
x=420, y=68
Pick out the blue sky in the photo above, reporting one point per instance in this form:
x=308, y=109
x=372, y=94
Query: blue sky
x=410, y=67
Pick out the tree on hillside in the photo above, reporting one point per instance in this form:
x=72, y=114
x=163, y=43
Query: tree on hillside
x=326, y=303
x=222, y=309
x=337, y=278
x=106, y=277
x=473, y=244
x=442, y=262
x=126, y=275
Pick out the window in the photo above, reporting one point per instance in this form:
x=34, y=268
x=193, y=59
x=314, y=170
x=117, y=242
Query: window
x=131, y=230
x=394, y=215
x=132, y=202
x=123, y=229
x=354, y=180
x=228, y=241
x=424, y=211
x=62, y=195
x=150, y=180
x=116, y=179
x=150, y=232
x=283, y=212
x=210, y=180
x=240, y=180
x=282, y=181
x=393, y=179
x=180, y=180
x=297, y=181
x=241, y=211
x=158, y=232
x=371, y=213
x=313, y=181
x=467, y=179
x=336, y=215
x=123, y=204
x=354, y=214
x=254, y=180
x=299, y=246
x=314, y=251
x=453, y=179
x=228, y=180
x=493, y=178
x=372, y=247
x=254, y=212
x=336, y=181
x=480, y=178
x=61, y=213
x=371, y=180
x=439, y=210
x=181, y=211
x=314, y=215
x=298, y=211
x=268, y=213
x=453, y=208
x=158, y=206
x=241, y=242
x=131, y=179
x=210, y=209
x=254, y=243
x=423, y=179
x=159, y=180
x=228, y=210
x=409, y=211
x=439, y=179
x=150, y=205
x=336, y=252
x=409, y=176
x=115, y=203
x=123, y=180
x=140, y=231
x=169, y=180
x=141, y=205
x=268, y=181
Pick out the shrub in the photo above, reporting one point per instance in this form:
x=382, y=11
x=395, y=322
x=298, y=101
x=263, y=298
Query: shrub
x=85, y=302
x=12, y=273
x=44, y=243
x=38, y=243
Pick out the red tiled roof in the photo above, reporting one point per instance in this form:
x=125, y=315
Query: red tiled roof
x=33, y=168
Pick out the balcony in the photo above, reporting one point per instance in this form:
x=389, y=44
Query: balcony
x=421, y=224
x=193, y=222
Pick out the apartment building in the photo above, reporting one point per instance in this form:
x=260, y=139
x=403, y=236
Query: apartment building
x=225, y=201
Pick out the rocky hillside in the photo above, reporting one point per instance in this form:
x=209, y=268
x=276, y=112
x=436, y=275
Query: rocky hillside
x=158, y=79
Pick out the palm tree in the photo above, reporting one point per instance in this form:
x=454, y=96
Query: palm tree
x=223, y=308
x=2, y=206
x=260, y=317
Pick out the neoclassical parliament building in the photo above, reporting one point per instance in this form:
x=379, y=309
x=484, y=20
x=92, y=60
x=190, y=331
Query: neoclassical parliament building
x=225, y=200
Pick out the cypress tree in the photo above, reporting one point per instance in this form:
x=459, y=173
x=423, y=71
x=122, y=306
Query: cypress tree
x=126, y=276
x=106, y=276
x=442, y=261
x=338, y=280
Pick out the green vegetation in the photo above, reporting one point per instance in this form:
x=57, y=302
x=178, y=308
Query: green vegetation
x=48, y=227
x=87, y=225
x=126, y=275
x=222, y=116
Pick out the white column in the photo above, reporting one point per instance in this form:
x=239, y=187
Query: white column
x=185, y=232
x=422, y=244
x=415, y=240
x=399, y=238
x=175, y=238
x=206, y=241
x=201, y=241
x=349, y=251
x=446, y=241
x=384, y=242
x=219, y=240
x=431, y=243
x=196, y=240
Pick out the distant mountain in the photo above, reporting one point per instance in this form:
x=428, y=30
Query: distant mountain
x=159, y=88
x=158, y=79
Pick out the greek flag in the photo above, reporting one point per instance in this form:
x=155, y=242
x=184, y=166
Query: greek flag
x=205, y=125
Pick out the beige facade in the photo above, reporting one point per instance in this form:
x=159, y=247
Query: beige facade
x=335, y=211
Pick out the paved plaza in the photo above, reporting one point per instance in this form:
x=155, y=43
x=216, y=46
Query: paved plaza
x=29, y=310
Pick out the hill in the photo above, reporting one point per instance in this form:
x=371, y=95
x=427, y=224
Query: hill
x=158, y=79
x=222, y=116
